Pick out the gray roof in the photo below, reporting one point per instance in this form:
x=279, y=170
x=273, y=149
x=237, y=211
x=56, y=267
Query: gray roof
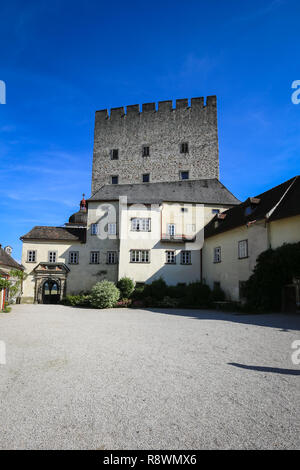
x=206, y=191
x=55, y=233
x=7, y=260
x=277, y=203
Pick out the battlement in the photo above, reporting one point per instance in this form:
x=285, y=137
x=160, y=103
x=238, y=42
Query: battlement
x=160, y=107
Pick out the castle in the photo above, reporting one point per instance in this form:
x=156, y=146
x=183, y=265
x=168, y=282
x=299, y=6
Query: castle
x=155, y=196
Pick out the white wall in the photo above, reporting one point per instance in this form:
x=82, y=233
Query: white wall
x=260, y=236
x=231, y=269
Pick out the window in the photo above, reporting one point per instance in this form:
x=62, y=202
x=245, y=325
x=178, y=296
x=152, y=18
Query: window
x=170, y=257
x=217, y=254
x=31, y=256
x=114, y=154
x=146, y=177
x=73, y=257
x=112, y=229
x=111, y=257
x=94, y=257
x=217, y=285
x=184, y=147
x=215, y=211
x=94, y=229
x=186, y=257
x=243, y=249
x=140, y=224
x=171, y=230
x=184, y=175
x=52, y=256
x=146, y=151
x=115, y=179
x=184, y=209
x=139, y=256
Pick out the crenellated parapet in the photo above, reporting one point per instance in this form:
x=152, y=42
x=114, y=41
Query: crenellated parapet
x=160, y=107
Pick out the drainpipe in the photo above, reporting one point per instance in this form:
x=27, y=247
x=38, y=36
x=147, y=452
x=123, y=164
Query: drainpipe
x=267, y=225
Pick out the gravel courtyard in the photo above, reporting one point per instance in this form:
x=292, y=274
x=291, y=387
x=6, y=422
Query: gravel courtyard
x=147, y=379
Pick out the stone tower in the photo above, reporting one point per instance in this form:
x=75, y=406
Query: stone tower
x=156, y=144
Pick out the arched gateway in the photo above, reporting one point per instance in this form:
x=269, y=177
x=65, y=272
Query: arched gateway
x=50, y=282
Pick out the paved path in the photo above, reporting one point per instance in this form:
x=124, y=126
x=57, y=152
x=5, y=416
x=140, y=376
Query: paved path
x=147, y=379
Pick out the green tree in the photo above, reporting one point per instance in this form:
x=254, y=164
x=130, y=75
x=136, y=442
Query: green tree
x=126, y=287
x=274, y=269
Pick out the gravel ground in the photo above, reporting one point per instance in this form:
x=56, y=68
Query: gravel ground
x=148, y=379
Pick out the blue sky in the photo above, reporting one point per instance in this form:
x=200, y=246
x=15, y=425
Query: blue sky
x=62, y=60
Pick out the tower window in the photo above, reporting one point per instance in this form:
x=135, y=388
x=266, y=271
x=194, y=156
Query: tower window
x=184, y=147
x=146, y=177
x=184, y=175
x=146, y=151
x=114, y=154
x=114, y=179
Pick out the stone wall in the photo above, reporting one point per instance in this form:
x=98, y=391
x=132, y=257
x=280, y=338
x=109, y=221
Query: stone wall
x=163, y=130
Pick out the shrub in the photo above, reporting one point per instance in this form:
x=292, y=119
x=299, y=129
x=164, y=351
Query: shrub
x=104, y=294
x=218, y=295
x=197, y=294
x=178, y=291
x=274, y=269
x=138, y=293
x=158, y=289
x=126, y=287
x=79, y=300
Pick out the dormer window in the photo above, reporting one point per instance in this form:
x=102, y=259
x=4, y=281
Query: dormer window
x=248, y=210
x=253, y=203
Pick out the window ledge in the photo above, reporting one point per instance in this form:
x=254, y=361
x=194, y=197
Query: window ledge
x=139, y=262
